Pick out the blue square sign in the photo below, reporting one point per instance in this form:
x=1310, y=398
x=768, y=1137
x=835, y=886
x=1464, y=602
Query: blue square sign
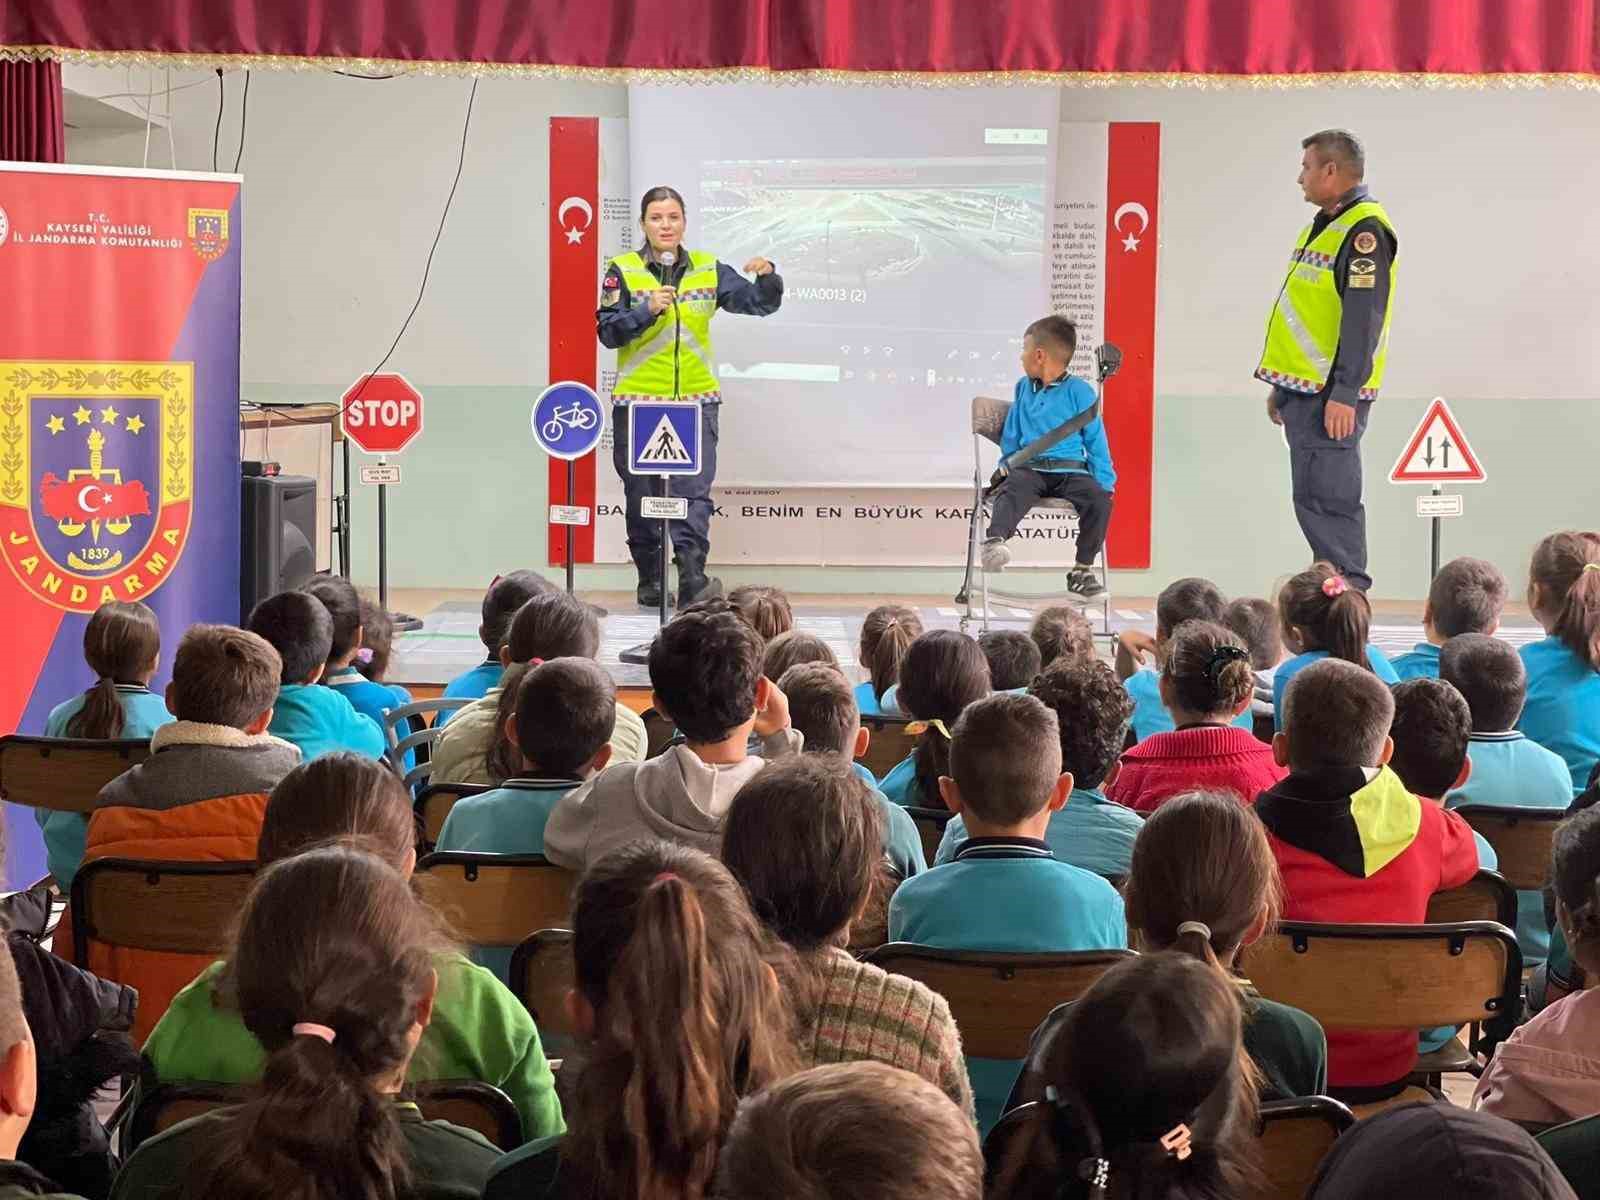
x=664, y=437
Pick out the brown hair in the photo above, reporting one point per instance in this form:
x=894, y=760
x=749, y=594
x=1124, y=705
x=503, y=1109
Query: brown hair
x=822, y=706
x=120, y=643
x=505, y=595
x=377, y=637
x=764, y=609
x=1575, y=859
x=223, y=676
x=1338, y=623
x=851, y=1131
x=1013, y=658
x=1431, y=728
x=343, y=602
x=793, y=648
x=1190, y=599
x=1466, y=596
x=1005, y=756
x=944, y=671
x=1201, y=856
x=1256, y=621
x=335, y=937
x=1062, y=632
x=340, y=796
x=705, y=667
x=1565, y=573
x=1491, y=676
x=1336, y=714
x=1208, y=669
x=553, y=625
x=688, y=1019
x=886, y=636
x=659, y=193
x=1093, y=711
x=566, y=709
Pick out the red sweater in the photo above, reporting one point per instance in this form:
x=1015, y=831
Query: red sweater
x=1205, y=757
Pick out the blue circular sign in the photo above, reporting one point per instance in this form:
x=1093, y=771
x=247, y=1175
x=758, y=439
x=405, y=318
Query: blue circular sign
x=568, y=420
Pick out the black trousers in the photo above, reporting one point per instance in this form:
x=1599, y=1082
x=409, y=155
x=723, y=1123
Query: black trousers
x=644, y=534
x=1326, y=478
x=1021, y=489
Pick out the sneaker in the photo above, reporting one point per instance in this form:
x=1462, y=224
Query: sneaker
x=1085, y=582
x=996, y=554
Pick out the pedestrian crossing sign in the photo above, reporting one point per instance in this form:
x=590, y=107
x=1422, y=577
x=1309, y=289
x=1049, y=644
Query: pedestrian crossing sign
x=664, y=437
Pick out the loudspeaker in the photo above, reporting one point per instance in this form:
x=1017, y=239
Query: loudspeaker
x=278, y=536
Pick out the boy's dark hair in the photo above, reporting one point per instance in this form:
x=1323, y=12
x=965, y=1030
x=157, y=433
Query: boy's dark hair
x=1208, y=669
x=505, y=596
x=1005, y=756
x=553, y=625
x=224, y=676
x=764, y=609
x=343, y=602
x=1490, y=674
x=704, y=666
x=566, y=709
x=1191, y=599
x=1013, y=657
x=792, y=648
x=1093, y=711
x=1431, y=726
x=299, y=628
x=1256, y=621
x=1062, y=632
x=1467, y=596
x=1336, y=714
x=822, y=706
x=1056, y=334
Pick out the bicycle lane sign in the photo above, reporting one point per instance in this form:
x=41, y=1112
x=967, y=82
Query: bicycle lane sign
x=567, y=420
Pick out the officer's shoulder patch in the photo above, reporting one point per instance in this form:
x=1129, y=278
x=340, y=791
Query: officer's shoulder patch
x=1366, y=242
x=1363, y=266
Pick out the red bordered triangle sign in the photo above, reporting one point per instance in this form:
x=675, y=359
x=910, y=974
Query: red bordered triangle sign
x=1438, y=451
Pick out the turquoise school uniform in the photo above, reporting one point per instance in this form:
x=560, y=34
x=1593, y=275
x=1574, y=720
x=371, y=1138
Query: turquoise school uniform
x=1090, y=832
x=319, y=720
x=901, y=841
x=867, y=700
x=1150, y=715
x=471, y=685
x=901, y=787
x=1562, y=713
x=373, y=699
x=866, y=776
x=1510, y=770
x=1381, y=667
x=1006, y=894
x=66, y=834
x=1422, y=662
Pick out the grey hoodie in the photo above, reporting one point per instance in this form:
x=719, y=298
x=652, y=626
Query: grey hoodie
x=674, y=797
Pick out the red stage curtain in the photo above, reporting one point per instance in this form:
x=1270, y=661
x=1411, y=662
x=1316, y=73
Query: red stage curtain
x=32, y=119
x=1224, y=38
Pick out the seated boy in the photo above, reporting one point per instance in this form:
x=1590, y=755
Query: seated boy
x=551, y=625
x=198, y=797
x=317, y=719
x=1014, y=659
x=1076, y=467
x=1186, y=600
x=500, y=603
x=1092, y=711
x=1255, y=622
x=346, y=610
x=1467, y=596
x=705, y=677
x=1061, y=632
x=1004, y=890
x=1353, y=844
x=1430, y=731
x=822, y=709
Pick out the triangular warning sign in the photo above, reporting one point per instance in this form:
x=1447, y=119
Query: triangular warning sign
x=664, y=445
x=1437, y=452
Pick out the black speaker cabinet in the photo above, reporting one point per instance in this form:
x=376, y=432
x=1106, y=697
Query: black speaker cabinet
x=278, y=538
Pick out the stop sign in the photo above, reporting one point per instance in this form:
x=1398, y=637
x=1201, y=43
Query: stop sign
x=382, y=413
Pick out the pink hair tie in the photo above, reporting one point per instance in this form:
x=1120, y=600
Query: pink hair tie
x=312, y=1029
x=663, y=877
x=1334, y=585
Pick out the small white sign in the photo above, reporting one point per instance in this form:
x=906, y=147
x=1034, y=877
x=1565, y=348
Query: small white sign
x=1439, y=506
x=664, y=508
x=568, y=514
x=387, y=473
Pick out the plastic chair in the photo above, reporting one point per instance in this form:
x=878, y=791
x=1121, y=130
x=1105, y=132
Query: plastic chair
x=421, y=741
x=63, y=774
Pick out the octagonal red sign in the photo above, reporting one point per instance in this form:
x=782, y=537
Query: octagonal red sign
x=382, y=413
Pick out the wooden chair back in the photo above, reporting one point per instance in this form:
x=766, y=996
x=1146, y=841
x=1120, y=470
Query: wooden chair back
x=160, y=1108
x=998, y=1000
x=173, y=907
x=889, y=744
x=63, y=774
x=1521, y=838
x=496, y=899
x=541, y=976
x=435, y=803
x=1485, y=897
x=472, y=1104
x=930, y=823
x=659, y=731
x=1296, y=1136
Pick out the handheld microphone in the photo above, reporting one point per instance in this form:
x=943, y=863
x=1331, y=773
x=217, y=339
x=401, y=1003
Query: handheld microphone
x=667, y=257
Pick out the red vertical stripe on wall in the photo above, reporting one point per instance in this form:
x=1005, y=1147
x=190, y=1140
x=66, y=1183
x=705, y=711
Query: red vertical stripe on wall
x=574, y=292
x=1133, y=197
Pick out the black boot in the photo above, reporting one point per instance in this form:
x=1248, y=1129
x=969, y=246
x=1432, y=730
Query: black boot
x=693, y=582
x=648, y=593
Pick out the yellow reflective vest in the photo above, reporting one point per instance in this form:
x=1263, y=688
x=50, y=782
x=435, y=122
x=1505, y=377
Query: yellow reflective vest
x=672, y=357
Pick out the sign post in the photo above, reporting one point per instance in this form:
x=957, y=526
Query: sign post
x=663, y=440
x=1437, y=453
x=568, y=423
x=382, y=414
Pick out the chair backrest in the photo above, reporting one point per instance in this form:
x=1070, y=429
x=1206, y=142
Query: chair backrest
x=63, y=774
x=998, y=1000
x=161, y=1107
x=1296, y=1136
x=472, y=1104
x=173, y=907
x=1571, y=1147
x=496, y=899
x=889, y=744
x=541, y=976
x=1521, y=838
x=422, y=740
x=659, y=732
x=1391, y=976
x=435, y=803
x=1485, y=897
x=989, y=417
x=930, y=823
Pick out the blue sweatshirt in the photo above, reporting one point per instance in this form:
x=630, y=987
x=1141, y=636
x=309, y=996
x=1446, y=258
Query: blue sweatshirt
x=1563, y=709
x=1036, y=410
x=1381, y=667
x=319, y=720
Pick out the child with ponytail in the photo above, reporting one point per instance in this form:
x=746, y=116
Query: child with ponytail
x=1207, y=682
x=1562, y=712
x=944, y=671
x=121, y=644
x=1325, y=617
x=683, y=1017
x=333, y=972
x=886, y=635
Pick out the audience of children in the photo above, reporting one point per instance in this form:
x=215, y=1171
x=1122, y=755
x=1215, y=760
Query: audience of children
x=1185, y=600
x=1509, y=769
x=1061, y=632
x=1092, y=713
x=505, y=596
x=1255, y=622
x=1013, y=657
x=349, y=613
x=1562, y=712
x=1466, y=596
x=886, y=637
x=805, y=840
x=319, y=720
x=944, y=671
x=1207, y=684
x=1324, y=617
x=793, y=648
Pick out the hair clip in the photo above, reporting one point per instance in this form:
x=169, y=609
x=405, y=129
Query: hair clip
x=1591, y=566
x=918, y=728
x=1221, y=657
x=1199, y=927
x=1096, y=1172
x=312, y=1029
x=1334, y=585
x=1176, y=1142
x=664, y=876
x=364, y=655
